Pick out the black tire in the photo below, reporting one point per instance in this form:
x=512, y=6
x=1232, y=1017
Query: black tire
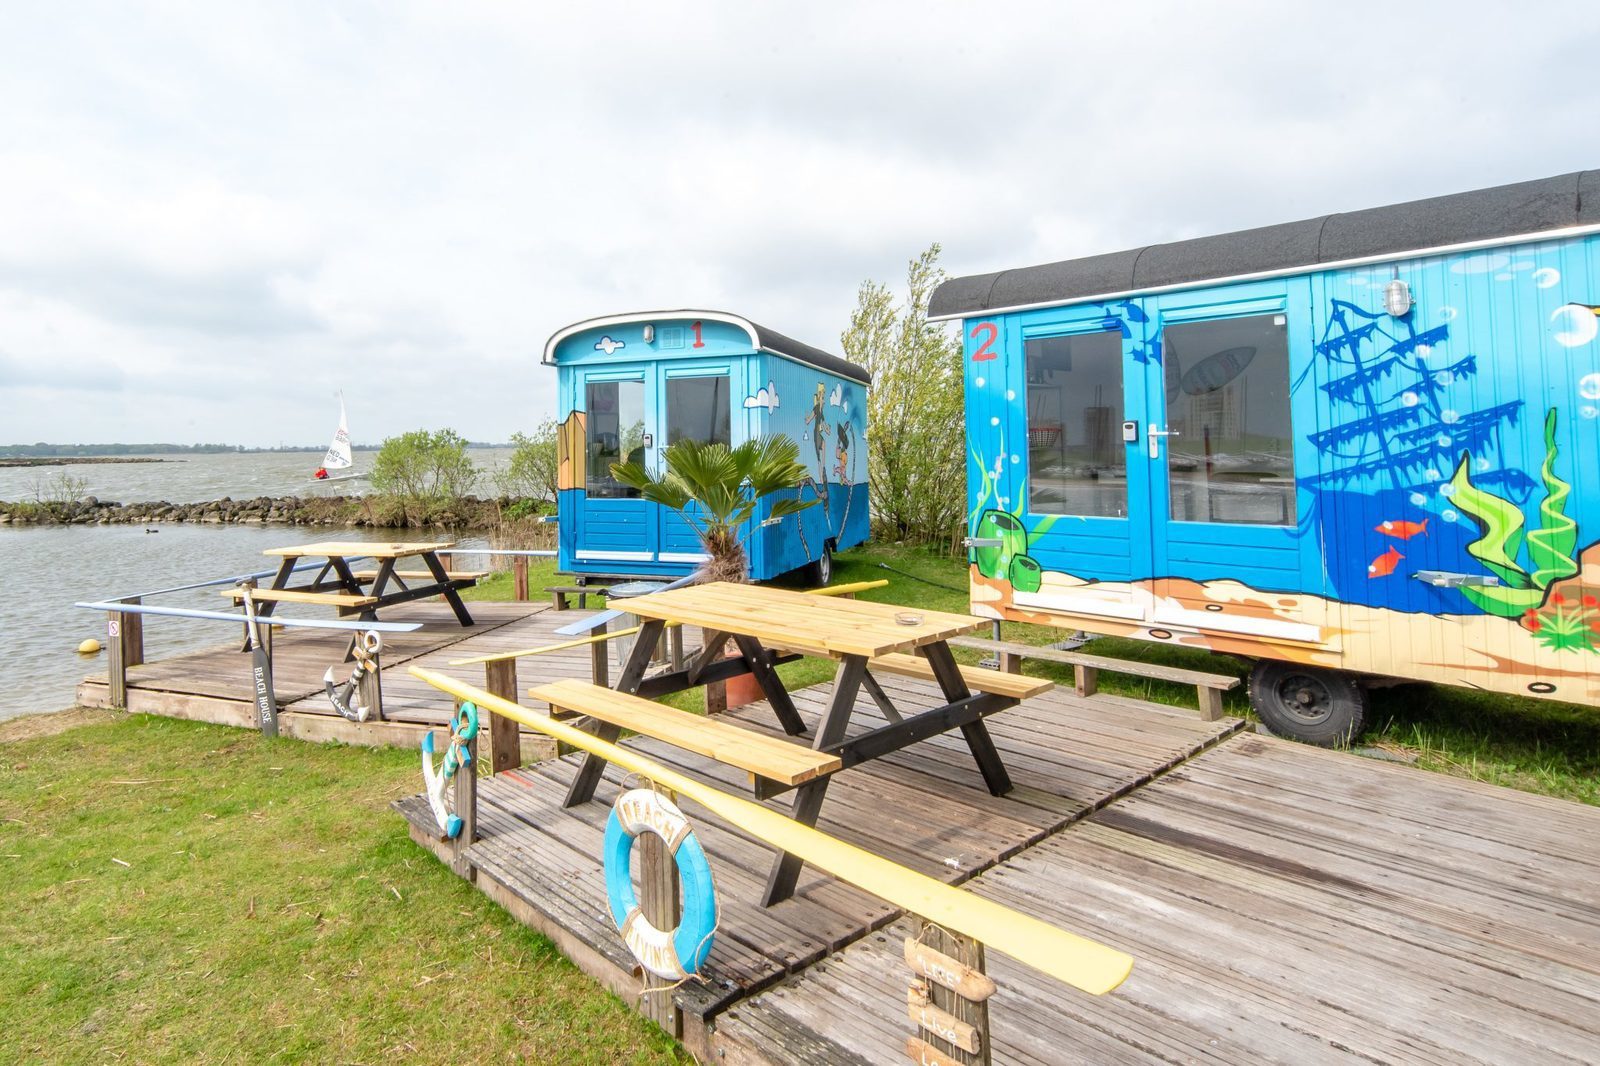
x=1306, y=703
x=819, y=571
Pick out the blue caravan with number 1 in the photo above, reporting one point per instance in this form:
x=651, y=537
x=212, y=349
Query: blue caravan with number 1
x=632, y=384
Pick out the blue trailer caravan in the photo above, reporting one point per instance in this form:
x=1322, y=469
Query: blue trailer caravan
x=630, y=385
x=1350, y=448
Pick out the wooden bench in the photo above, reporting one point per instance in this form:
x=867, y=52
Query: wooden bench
x=1015, y=686
x=559, y=594
x=424, y=575
x=1086, y=670
x=342, y=600
x=757, y=754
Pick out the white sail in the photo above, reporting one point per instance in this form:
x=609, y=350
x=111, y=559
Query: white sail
x=338, y=457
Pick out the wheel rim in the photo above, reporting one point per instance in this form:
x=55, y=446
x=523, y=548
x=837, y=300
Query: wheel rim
x=1305, y=698
x=825, y=567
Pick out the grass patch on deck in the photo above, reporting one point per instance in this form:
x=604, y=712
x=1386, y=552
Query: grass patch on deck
x=186, y=892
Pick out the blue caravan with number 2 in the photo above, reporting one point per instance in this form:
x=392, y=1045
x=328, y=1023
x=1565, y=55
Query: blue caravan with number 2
x=1352, y=448
x=631, y=385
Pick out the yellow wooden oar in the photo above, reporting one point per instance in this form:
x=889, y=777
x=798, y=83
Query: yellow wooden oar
x=1078, y=961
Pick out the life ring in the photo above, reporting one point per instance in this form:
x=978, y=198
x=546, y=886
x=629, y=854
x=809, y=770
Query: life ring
x=463, y=728
x=671, y=954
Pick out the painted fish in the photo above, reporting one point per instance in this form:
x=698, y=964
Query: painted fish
x=1403, y=530
x=1384, y=564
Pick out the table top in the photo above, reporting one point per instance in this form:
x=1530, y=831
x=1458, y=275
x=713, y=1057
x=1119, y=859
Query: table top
x=799, y=621
x=375, y=549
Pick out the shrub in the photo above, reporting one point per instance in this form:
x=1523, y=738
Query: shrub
x=59, y=489
x=531, y=473
x=427, y=472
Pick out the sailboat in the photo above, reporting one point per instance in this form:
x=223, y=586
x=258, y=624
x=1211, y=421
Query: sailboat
x=338, y=457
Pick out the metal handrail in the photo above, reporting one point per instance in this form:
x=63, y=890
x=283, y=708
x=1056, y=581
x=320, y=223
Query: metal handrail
x=239, y=619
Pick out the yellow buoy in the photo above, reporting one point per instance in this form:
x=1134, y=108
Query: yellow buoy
x=89, y=647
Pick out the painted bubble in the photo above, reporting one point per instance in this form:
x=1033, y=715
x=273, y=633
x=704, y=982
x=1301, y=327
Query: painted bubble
x=1444, y=440
x=1487, y=263
x=1449, y=417
x=1424, y=350
x=1447, y=490
x=1449, y=515
x=1481, y=465
x=978, y=382
x=995, y=421
x=1546, y=277
x=1574, y=325
x=1589, y=410
x=1410, y=399
x=1011, y=394
x=1448, y=313
x=1418, y=498
x=1445, y=377
x=1431, y=474
x=1016, y=458
x=1589, y=386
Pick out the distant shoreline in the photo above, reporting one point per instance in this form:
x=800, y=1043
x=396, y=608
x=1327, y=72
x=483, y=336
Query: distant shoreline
x=73, y=460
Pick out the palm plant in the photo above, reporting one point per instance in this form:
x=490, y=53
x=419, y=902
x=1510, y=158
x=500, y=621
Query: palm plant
x=717, y=488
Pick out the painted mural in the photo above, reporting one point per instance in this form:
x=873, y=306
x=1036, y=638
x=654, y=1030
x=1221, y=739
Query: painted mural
x=1436, y=523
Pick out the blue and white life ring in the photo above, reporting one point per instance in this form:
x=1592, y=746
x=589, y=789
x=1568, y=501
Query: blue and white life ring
x=671, y=954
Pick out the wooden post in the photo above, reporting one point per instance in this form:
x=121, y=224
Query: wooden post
x=519, y=578
x=124, y=648
x=1210, y=702
x=466, y=804
x=716, y=691
x=658, y=900
x=1010, y=662
x=504, y=734
x=599, y=658
x=949, y=1001
x=1086, y=680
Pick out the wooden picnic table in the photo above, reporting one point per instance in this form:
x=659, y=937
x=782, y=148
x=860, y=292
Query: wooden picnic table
x=363, y=594
x=770, y=626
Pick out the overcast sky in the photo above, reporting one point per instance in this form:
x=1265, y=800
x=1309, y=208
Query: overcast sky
x=213, y=216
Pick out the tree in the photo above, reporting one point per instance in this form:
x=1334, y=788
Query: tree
x=531, y=473
x=916, y=429
x=717, y=489
x=424, y=470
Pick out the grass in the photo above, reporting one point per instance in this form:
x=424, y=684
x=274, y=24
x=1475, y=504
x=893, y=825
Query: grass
x=1533, y=745
x=186, y=892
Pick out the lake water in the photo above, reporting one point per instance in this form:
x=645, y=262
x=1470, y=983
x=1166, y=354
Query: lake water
x=45, y=569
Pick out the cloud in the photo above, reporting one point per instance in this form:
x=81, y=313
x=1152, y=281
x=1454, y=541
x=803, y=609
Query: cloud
x=765, y=397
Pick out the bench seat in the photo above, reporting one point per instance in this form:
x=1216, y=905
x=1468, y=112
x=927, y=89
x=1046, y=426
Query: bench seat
x=345, y=600
x=755, y=753
x=1015, y=686
x=423, y=575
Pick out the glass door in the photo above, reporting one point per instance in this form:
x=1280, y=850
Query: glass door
x=696, y=404
x=614, y=523
x=1220, y=443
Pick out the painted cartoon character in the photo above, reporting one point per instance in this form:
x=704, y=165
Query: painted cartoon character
x=843, y=438
x=817, y=419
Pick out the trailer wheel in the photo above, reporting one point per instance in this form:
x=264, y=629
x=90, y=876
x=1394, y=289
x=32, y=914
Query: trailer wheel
x=1305, y=703
x=820, y=570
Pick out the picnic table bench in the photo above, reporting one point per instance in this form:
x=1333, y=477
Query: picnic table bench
x=770, y=626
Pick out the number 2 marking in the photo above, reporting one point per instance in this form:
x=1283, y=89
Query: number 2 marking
x=985, y=350
x=699, y=341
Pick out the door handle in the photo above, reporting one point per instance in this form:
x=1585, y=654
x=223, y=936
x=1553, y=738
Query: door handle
x=1154, y=436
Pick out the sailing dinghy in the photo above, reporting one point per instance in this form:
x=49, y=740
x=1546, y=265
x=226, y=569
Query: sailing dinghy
x=338, y=457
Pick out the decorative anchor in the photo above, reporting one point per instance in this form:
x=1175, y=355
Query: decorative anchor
x=345, y=700
x=463, y=729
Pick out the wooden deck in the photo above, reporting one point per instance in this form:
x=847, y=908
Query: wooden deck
x=1283, y=903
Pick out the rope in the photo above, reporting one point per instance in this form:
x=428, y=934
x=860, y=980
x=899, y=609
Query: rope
x=925, y=581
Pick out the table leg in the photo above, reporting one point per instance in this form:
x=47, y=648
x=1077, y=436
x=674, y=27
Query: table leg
x=451, y=596
x=771, y=685
x=976, y=733
x=583, y=785
x=808, y=798
x=881, y=698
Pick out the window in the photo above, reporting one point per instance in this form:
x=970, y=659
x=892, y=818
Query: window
x=1228, y=402
x=1077, y=462
x=698, y=409
x=615, y=411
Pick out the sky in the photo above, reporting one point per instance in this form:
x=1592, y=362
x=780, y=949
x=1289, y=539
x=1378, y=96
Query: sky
x=215, y=216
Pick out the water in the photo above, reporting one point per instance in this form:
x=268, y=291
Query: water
x=44, y=569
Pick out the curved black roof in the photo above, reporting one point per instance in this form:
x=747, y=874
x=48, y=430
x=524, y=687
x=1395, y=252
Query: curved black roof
x=1527, y=207
x=761, y=338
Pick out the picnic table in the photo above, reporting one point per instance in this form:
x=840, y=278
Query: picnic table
x=770, y=626
x=364, y=592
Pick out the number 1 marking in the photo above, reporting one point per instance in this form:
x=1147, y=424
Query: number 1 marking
x=699, y=341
